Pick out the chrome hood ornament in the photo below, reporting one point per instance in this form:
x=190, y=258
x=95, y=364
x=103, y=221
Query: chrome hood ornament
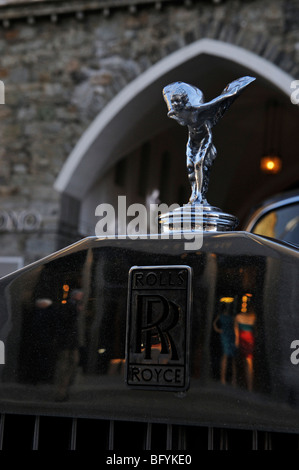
x=186, y=105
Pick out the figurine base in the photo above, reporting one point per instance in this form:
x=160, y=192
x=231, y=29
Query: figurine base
x=197, y=218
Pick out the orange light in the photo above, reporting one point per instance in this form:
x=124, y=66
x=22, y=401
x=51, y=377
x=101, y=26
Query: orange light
x=66, y=287
x=271, y=164
x=227, y=300
x=63, y=301
x=116, y=361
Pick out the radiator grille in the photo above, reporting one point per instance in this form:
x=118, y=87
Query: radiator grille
x=43, y=432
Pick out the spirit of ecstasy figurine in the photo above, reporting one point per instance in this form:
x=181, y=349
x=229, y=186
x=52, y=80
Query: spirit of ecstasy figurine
x=186, y=105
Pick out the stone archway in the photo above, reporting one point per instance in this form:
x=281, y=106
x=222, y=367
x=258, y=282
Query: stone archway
x=122, y=124
x=137, y=114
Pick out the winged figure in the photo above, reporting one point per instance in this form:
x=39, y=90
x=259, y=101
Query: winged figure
x=187, y=106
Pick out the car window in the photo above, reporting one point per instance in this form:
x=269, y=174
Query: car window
x=281, y=223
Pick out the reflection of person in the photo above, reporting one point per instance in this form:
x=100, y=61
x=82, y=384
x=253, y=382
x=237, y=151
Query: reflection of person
x=68, y=344
x=224, y=325
x=186, y=105
x=244, y=330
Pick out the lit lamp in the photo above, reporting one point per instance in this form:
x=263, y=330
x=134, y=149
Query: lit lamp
x=245, y=299
x=65, y=289
x=271, y=164
x=244, y=304
x=227, y=300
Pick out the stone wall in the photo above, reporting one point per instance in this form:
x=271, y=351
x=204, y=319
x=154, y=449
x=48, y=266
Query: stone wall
x=59, y=76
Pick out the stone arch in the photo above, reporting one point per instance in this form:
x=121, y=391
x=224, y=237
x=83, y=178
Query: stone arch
x=123, y=123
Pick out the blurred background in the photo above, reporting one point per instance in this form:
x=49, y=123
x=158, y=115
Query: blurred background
x=84, y=120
